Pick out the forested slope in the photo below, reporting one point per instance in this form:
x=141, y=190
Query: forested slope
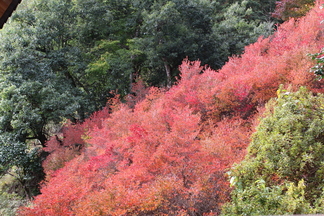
x=167, y=151
x=61, y=60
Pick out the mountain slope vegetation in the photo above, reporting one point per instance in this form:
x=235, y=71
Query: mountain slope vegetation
x=167, y=151
x=61, y=60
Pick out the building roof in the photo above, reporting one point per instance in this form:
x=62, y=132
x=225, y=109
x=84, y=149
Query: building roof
x=6, y=9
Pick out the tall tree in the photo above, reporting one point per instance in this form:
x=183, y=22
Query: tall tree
x=40, y=85
x=237, y=24
x=262, y=9
x=173, y=30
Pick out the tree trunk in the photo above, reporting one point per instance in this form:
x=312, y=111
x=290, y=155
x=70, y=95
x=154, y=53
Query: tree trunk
x=131, y=79
x=168, y=74
x=42, y=138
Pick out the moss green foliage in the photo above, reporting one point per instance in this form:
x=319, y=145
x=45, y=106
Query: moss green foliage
x=9, y=203
x=283, y=170
x=10, y=200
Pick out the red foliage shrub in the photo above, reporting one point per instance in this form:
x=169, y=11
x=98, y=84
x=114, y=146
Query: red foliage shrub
x=167, y=155
x=69, y=143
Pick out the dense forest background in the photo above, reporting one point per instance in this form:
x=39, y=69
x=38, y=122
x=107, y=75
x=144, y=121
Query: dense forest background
x=141, y=108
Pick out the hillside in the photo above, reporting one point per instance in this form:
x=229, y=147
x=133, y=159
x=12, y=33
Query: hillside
x=168, y=153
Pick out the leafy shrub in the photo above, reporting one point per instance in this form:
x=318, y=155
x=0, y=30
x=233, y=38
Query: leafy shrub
x=283, y=170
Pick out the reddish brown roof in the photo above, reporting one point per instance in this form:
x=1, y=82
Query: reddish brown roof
x=6, y=9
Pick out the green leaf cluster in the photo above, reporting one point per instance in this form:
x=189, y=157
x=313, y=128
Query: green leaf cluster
x=318, y=69
x=283, y=170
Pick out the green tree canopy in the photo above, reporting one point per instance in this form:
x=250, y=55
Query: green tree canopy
x=238, y=25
